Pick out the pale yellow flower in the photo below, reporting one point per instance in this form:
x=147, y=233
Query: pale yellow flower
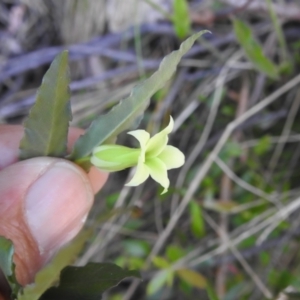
x=154, y=157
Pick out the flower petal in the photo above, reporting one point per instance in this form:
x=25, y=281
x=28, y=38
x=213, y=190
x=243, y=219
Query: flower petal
x=172, y=157
x=158, y=172
x=159, y=141
x=169, y=128
x=141, y=135
x=141, y=175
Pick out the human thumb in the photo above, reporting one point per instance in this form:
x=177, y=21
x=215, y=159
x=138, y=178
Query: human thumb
x=43, y=205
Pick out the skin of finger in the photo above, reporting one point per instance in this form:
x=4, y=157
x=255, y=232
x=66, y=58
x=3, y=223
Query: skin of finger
x=28, y=257
x=14, y=227
x=11, y=135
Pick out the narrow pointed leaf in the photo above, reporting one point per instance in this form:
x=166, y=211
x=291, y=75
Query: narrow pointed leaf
x=122, y=116
x=174, y=253
x=253, y=49
x=158, y=281
x=193, y=278
x=46, y=128
x=7, y=265
x=160, y=262
x=196, y=219
x=88, y=282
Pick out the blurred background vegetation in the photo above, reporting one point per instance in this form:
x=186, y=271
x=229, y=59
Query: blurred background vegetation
x=228, y=228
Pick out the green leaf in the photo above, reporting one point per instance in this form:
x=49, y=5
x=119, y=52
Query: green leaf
x=156, y=283
x=160, y=262
x=88, y=282
x=231, y=149
x=181, y=18
x=6, y=256
x=196, y=217
x=136, y=248
x=174, y=253
x=253, y=49
x=46, y=128
x=124, y=114
x=7, y=265
x=212, y=295
x=135, y=263
x=47, y=276
x=263, y=145
x=195, y=279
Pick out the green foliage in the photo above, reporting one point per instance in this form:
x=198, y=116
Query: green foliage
x=133, y=224
x=248, y=242
x=7, y=265
x=185, y=287
x=160, y=95
x=228, y=110
x=160, y=262
x=158, y=281
x=88, y=282
x=280, y=278
x=231, y=149
x=279, y=33
x=211, y=292
x=174, y=253
x=121, y=117
x=254, y=50
x=46, y=128
x=111, y=200
x=238, y=289
x=181, y=18
x=166, y=276
x=48, y=275
x=196, y=219
x=263, y=145
x=192, y=277
x=264, y=258
x=136, y=248
x=130, y=262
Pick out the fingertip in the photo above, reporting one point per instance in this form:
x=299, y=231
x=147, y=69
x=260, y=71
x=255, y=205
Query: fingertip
x=44, y=203
x=10, y=137
x=97, y=179
x=73, y=135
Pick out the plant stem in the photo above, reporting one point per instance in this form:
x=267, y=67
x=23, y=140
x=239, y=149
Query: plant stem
x=278, y=30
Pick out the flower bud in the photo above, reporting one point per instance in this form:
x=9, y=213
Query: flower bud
x=112, y=158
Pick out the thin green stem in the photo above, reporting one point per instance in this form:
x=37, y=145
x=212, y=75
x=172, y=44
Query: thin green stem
x=138, y=50
x=84, y=163
x=138, y=44
x=278, y=31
